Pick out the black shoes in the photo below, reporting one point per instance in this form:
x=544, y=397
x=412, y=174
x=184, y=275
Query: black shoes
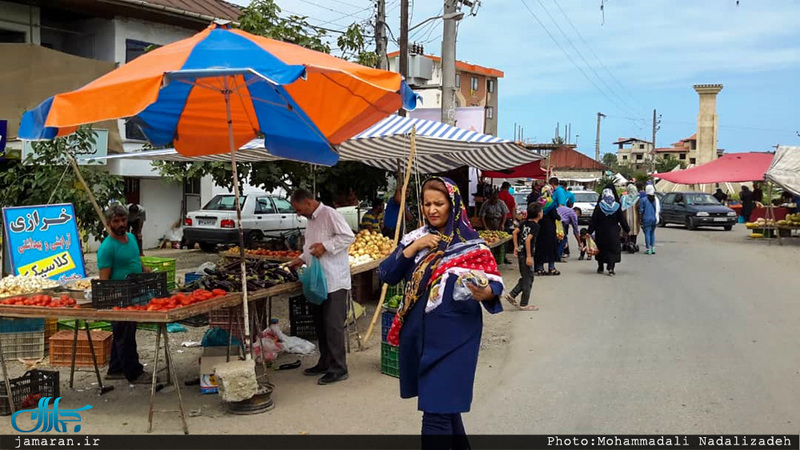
x=314, y=371
x=331, y=378
x=600, y=270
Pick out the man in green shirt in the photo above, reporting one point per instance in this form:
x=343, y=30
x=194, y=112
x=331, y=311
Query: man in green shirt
x=117, y=257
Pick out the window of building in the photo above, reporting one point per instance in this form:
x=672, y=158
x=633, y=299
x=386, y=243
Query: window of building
x=490, y=86
x=133, y=130
x=12, y=37
x=667, y=156
x=641, y=146
x=458, y=80
x=692, y=161
x=132, y=190
x=135, y=49
x=624, y=157
x=682, y=156
x=474, y=85
x=191, y=186
x=639, y=157
x=490, y=112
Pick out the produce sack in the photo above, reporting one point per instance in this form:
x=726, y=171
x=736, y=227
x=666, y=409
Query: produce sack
x=315, y=287
x=559, y=230
x=591, y=246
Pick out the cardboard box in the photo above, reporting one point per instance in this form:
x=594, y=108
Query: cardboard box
x=211, y=357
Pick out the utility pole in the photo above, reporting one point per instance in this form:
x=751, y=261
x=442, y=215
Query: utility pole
x=656, y=126
x=381, y=40
x=597, y=138
x=449, y=64
x=403, y=43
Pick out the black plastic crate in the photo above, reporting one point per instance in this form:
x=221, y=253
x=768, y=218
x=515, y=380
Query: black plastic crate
x=137, y=289
x=301, y=320
x=195, y=321
x=42, y=382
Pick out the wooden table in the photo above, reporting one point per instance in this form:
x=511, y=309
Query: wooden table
x=500, y=242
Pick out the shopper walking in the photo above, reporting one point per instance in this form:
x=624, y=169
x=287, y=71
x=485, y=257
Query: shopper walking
x=328, y=237
x=650, y=211
x=547, y=242
x=449, y=274
x=630, y=207
x=606, y=222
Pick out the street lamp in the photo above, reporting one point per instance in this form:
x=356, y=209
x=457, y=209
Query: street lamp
x=449, y=16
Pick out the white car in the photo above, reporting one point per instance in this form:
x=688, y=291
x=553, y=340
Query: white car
x=263, y=216
x=586, y=202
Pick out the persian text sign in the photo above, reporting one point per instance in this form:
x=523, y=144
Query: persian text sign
x=44, y=241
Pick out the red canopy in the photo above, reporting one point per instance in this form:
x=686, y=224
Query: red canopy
x=529, y=170
x=730, y=168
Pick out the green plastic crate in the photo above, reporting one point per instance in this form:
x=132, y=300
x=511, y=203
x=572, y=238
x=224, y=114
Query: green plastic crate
x=157, y=264
x=390, y=360
x=69, y=324
x=499, y=253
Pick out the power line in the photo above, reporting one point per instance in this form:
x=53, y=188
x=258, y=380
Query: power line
x=558, y=44
x=580, y=36
x=569, y=41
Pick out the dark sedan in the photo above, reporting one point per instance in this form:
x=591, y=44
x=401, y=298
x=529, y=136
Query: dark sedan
x=695, y=209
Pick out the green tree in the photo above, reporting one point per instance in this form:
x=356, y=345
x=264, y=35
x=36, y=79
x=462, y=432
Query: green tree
x=667, y=165
x=610, y=159
x=45, y=177
x=264, y=18
x=559, y=140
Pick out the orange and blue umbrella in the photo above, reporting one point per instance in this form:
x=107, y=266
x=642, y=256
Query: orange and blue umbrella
x=300, y=101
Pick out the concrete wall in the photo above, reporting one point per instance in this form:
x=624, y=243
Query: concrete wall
x=16, y=17
x=162, y=201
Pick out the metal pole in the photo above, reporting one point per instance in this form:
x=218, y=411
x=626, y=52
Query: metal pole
x=449, y=64
x=380, y=36
x=403, y=44
x=237, y=195
x=653, y=155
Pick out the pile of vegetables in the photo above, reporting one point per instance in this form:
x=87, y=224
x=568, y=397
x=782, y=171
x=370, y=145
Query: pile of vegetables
x=65, y=301
x=260, y=275
x=369, y=246
x=492, y=236
x=176, y=301
x=24, y=284
x=393, y=302
x=269, y=253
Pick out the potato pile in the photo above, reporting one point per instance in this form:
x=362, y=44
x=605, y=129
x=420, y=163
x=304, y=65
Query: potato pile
x=18, y=285
x=369, y=246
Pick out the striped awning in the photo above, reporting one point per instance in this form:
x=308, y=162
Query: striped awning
x=439, y=147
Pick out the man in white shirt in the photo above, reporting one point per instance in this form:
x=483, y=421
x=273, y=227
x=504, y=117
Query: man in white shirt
x=327, y=237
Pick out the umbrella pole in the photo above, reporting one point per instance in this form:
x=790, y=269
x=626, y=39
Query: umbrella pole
x=237, y=195
x=385, y=286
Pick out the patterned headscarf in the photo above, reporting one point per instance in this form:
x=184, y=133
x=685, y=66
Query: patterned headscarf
x=460, y=250
x=608, y=202
x=631, y=197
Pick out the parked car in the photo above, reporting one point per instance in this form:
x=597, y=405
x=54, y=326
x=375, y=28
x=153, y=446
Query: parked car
x=695, y=209
x=586, y=202
x=262, y=216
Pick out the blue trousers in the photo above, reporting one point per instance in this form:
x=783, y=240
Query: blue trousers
x=443, y=431
x=649, y=236
x=561, y=244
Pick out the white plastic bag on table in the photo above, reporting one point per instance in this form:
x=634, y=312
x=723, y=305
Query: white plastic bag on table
x=293, y=344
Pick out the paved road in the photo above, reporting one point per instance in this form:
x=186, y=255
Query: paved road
x=703, y=337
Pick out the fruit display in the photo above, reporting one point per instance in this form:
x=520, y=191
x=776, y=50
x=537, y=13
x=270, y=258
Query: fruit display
x=268, y=253
x=492, y=236
x=393, y=302
x=760, y=223
x=24, y=284
x=369, y=246
x=65, y=301
x=176, y=301
x=791, y=221
x=260, y=275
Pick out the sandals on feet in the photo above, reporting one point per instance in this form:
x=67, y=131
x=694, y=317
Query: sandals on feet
x=529, y=308
x=511, y=300
x=554, y=272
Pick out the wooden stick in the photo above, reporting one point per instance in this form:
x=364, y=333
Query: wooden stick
x=385, y=286
x=97, y=208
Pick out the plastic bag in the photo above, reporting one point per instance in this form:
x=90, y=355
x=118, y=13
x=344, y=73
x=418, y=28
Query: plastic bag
x=315, y=287
x=559, y=230
x=591, y=247
x=267, y=347
x=293, y=344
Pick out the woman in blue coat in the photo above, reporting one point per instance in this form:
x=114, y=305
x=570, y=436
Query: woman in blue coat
x=449, y=272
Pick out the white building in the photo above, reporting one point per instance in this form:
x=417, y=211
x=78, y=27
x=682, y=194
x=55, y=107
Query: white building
x=106, y=33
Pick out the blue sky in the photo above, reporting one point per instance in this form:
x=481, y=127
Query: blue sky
x=641, y=54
